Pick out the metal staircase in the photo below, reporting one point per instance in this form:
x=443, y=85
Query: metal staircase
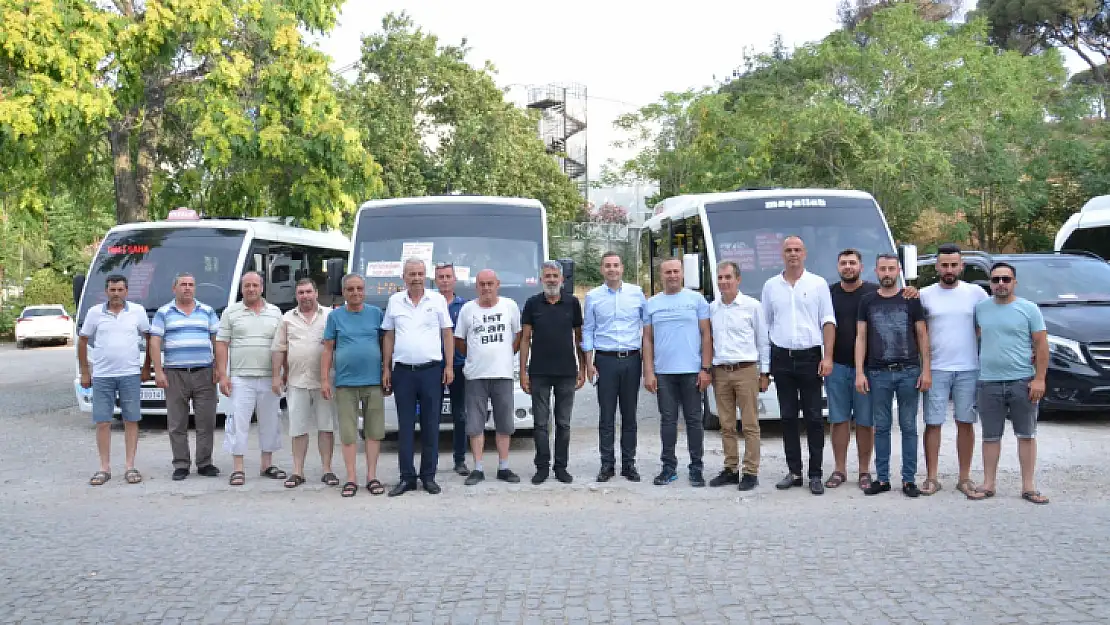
x=563, y=110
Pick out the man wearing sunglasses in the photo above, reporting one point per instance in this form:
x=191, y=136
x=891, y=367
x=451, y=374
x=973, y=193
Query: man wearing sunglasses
x=1013, y=358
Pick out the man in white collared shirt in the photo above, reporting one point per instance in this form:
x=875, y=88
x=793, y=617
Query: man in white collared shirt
x=741, y=363
x=802, y=327
x=417, y=341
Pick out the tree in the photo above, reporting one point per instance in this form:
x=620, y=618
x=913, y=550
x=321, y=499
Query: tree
x=1082, y=26
x=438, y=125
x=852, y=13
x=609, y=213
x=222, y=101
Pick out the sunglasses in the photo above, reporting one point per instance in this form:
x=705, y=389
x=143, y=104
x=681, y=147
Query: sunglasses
x=1002, y=279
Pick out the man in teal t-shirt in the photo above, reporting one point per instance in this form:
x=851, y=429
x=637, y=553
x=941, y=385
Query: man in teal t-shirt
x=1013, y=357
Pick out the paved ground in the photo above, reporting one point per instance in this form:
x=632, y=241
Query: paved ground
x=199, y=551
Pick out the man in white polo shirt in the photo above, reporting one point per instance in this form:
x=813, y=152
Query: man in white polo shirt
x=114, y=329
x=417, y=342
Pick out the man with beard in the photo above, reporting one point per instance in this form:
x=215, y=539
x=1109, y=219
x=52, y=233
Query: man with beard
x=551, y=331
x=950, y=313
x=890, y=336
x=1014, y=359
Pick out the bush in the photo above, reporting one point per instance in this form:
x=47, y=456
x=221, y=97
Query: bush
x=8, y=314
x=48, y=287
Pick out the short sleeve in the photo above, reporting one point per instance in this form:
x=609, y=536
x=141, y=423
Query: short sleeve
x=144, y=323
x=515, y=317
x=158, y=326
x=703, y=307
x=864, y=304
x=463, y=326
x=645, y=312
x=445, y=322
x=214, y=321
x=331, y=330
x=387, y=316
x=223, y=333
x=88, y=329
x=526, y=314
x=1036, y=319
x=576, y=321
x=917, y=310
x=281, y=337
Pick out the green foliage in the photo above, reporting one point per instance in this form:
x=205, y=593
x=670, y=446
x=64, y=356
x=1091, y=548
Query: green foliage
x=48, y=287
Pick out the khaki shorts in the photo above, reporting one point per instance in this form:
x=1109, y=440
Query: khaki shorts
x=309, y=411
x=364, y=401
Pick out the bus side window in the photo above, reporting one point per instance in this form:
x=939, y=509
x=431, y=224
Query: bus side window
x=696, y=245
x=643, y=267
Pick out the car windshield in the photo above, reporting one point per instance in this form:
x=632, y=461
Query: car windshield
x=151, y=258
x=1052, y=280
x=750, y=232
x=42, y=312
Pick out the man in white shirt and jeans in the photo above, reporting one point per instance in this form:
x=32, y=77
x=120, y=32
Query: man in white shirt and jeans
x=488, y=334
x=114, y=330
x=741, y=364
x=802, y=327
x=950, y=314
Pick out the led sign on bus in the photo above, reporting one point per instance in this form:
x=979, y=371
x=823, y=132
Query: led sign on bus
x=129, y=249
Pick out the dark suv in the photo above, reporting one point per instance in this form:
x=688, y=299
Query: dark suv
x=1073, y=292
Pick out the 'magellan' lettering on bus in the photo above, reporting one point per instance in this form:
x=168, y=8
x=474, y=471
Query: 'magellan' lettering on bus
x=799, y=203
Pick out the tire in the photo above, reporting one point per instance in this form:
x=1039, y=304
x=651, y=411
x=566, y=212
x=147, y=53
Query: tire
x=710, y=420
x=21, y=344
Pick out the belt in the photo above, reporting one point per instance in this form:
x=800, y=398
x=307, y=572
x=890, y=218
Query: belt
x=733, y=366
x=420, y=367
x=190, y=369
x=808, y=351
x=623, y=353
x=894, y=366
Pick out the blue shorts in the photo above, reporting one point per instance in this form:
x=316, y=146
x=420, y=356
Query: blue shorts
x=104, y=392
x=959, y=386
x=844, y=401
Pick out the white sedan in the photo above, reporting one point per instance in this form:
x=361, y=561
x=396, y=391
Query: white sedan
x=42, y=324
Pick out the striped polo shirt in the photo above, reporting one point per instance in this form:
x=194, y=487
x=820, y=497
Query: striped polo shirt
x=249, y=336
x=186, y=339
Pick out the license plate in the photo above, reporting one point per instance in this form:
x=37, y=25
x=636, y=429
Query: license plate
x=152, y=394
x=446, y=406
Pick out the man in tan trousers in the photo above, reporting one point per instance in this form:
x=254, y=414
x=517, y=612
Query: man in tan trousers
x=741, y=362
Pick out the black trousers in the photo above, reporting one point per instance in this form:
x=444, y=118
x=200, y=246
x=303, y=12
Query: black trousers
x=563, y=387
x=798, y=385
x=618, y=382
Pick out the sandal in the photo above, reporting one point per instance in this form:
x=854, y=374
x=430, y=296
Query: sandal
x=330, y=479
x=375, y=487
x=294, y=481
x=237, y=478
x=980, y=493
x=930, y=486
x=133, y=476
x=100, y=477
x=864, y=481
x=274, y=473
x=836, y=479
x=350, y=489
x=1034, y=496
x=967, y=487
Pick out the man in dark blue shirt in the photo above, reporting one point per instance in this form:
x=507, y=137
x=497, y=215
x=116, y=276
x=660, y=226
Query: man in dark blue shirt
x=445, y=282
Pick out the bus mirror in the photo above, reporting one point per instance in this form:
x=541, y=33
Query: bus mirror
x=78, y=287
x=568, y=275
x=336, y=267
x=691, y=271
x=908, y=255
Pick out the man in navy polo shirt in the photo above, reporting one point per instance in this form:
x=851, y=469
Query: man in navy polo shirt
x=445, y=283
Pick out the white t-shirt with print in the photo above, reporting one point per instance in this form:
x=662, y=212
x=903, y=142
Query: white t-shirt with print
x=950, y=315
x=489, y=334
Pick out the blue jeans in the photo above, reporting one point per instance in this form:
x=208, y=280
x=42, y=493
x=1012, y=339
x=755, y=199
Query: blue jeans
x=424, y=386
x=845, y=402
x=104, y=392
x=961, y=387
x=885, y=386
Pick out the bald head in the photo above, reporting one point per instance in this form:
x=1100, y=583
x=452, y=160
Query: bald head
x=251, y=285
x=794, y=255
x=488, y=285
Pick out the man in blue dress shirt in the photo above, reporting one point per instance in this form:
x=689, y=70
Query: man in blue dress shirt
x=611, y=336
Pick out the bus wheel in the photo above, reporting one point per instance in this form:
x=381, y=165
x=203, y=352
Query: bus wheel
x=710, y=420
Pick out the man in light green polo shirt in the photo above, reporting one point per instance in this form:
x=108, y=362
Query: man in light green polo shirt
x=247, y=330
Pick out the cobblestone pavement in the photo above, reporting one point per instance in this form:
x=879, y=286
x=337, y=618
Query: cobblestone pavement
x=199, y=551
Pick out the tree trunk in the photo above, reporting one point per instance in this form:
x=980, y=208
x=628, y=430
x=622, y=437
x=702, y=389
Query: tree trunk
x=149, y=135
x=128, y=207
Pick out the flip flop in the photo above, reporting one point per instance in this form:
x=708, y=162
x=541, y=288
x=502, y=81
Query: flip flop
x=294, y=481
x=1034, y=496
x=330, y=479
x=274, y=473
x=375, y=487
x=982, y=493
x=864, y=481
x=350, y=489
x=966, y=487
x=237, y=478
x=100, y=477
x=836, y=479
x=930, y=487
x=133, y=476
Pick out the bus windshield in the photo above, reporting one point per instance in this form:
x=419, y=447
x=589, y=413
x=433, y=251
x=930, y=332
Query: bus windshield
x=750, y=232
x=151, y=258
x=1095, y=240
x=508, y=244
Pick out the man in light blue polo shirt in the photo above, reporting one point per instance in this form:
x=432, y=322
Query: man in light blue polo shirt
x=114, y=329
x=678, y=356
x=182, y=336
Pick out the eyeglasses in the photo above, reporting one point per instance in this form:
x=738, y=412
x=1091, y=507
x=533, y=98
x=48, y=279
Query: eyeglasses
x=1002, y=279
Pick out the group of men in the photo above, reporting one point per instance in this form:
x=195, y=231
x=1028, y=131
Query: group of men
x=865, y=343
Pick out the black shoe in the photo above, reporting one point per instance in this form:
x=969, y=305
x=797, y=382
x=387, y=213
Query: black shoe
x=630, y=473
x=540, y=477
x=208, y=471
x=726, y=476
x=697, y=480
x=666, y=476
x=506, y=475
x=475, y=477
x=606, y=474
x=180, y=474
x=460, y=468
x=401, y=488
x=815, y=486
x=789, y=481
x=432, y=487
x=563, y=476
x=876, y=488
x=748, y=482
x=910, y=489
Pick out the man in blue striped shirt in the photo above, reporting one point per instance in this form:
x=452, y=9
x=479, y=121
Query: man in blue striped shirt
x=182, y=338
x=611, y=335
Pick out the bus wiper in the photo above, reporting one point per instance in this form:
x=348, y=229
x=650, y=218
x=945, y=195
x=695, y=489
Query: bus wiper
x=1060, y=303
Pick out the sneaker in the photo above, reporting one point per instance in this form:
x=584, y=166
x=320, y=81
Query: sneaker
x=630, y=473
x=748, y=482
x=789, y=481
x=697, y=480
x=540, y=477
x=605, y=474
x=563, y=476
x=666, y=476
x=815, y=486
x=876, y=488
x=180, y=474
x=910, y=489
x=506, y=475
x=460, y=468
x=726, y=476
x=474, y=478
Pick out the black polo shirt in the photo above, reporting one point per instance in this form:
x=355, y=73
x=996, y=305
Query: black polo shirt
x=553, y=349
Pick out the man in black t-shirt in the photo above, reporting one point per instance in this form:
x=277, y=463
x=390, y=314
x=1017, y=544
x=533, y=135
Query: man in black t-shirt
x=552, y=330
x=889, y=363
